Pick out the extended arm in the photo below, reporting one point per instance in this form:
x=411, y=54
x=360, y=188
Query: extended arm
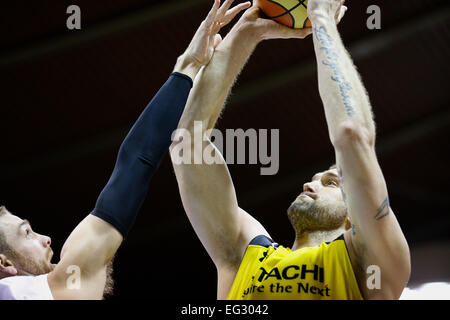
x=376, y=237
x=207, y=190
x=93, y=244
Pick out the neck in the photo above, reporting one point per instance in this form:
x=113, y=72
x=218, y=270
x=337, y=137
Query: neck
x=314, y=238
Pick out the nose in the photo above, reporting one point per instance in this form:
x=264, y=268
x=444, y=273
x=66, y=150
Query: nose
x=310, y=187
x=46, y=241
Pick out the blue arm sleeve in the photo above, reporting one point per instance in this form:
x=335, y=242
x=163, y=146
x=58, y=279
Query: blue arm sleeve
x=141, y=153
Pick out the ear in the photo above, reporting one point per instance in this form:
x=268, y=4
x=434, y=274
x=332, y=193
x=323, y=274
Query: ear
x=6, y=266
x=348, y=224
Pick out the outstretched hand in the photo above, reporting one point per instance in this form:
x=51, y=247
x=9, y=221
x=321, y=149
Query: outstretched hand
x=207, y=37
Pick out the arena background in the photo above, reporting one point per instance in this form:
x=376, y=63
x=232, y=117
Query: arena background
x=68, y=99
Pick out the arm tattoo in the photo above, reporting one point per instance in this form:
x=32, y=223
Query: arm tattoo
x=383, y=210
x=332, y=59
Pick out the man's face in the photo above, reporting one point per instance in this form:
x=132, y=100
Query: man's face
x=31, y=251
x=320, y=207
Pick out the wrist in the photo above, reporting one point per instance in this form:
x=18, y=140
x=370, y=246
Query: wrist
x=187, y=66
x=321, y=18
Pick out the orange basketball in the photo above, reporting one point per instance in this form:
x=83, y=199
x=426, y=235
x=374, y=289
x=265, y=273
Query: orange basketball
x=291, y=13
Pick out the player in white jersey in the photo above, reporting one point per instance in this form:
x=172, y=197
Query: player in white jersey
x=26, y=270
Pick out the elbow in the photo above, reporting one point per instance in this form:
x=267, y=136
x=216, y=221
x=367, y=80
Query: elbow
x=404, y=274
x=402, y=271
x=405, y=269
x=400, y=283
x=350, y=134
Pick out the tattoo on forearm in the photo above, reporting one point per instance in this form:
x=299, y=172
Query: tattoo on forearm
x=383, y=210
x=332, y=59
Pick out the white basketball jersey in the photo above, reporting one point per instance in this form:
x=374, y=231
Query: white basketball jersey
x=25, y=288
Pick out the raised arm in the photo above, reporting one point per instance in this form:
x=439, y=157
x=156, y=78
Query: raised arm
x=376, y=237
x=207, y=190
x=94, y=242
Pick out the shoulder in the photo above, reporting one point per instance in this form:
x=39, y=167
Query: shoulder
x=25, y=288
x=255, y=249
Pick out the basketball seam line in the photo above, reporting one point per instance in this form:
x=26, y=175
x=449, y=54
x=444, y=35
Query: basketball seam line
x=300, y=3
x=288, y=11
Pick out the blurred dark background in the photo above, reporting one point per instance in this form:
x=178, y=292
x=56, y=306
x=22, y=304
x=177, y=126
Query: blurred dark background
x=68, y=99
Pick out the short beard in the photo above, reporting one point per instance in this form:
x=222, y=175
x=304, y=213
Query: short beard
x=316, y=215
x=28, y=266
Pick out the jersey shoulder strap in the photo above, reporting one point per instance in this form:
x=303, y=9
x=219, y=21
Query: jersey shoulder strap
x=262, y=241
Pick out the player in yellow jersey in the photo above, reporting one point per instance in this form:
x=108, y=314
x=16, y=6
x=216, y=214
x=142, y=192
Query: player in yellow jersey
x=346, y=232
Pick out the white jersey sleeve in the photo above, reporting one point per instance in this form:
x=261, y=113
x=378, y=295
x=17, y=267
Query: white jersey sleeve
x=25, y=288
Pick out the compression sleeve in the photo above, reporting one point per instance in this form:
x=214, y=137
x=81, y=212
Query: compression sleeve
x=141, y=153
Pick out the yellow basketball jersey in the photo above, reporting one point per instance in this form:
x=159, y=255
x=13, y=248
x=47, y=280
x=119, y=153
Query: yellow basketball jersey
x=273, y=272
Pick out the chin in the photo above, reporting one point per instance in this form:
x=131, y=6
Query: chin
x=301, y=205
x=43, y=268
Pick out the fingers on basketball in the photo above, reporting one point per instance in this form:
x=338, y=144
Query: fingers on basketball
x=278, y=30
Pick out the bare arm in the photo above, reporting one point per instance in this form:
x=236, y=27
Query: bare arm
x=207, y=190
x=376, y=237
x=90, y=247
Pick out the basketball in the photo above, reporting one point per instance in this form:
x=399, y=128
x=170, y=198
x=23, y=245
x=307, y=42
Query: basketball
x=291, y=13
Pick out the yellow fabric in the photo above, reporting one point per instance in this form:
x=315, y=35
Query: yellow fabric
x=313, y=273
